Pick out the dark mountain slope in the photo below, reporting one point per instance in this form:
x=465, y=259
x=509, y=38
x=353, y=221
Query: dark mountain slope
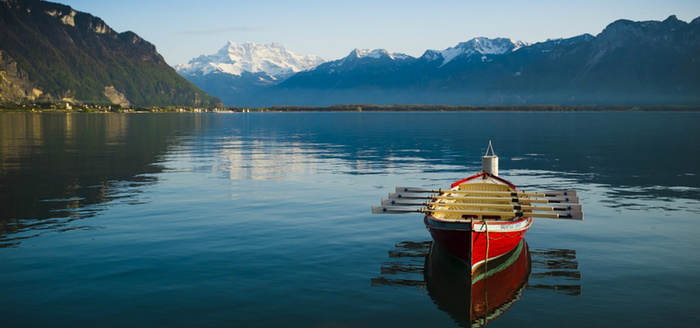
x=51, y=52
x=636, y=63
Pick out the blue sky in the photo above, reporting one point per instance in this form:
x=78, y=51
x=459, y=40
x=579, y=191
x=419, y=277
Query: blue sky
x=182, y=30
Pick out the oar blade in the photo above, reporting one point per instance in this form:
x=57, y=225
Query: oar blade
x=559, y=199
x=576, y=215
x=412, y=190
x=402, y=202
x=408, y=196
x=393, y=210
x=567, y=208
x=554, y=193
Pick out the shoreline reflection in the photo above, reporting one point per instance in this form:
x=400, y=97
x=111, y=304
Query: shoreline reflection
x=58, y=168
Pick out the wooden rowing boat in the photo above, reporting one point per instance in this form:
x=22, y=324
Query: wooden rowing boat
x=482, y=218
x=473, y=229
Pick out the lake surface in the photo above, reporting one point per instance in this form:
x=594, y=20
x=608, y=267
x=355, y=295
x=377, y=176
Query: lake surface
x=263, y=219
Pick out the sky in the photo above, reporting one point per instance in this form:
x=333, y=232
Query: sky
x=185, y=29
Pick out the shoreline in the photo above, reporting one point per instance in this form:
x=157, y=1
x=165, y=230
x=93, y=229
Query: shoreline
x=62, y=108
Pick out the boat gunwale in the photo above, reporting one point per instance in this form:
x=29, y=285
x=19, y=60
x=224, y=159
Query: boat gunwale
x=471, y=224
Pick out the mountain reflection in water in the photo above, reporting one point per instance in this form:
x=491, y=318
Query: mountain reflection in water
x=58, y=168
x=476, y=302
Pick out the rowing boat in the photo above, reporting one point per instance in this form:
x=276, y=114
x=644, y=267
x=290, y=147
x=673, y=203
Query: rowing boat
x=482, y=218
x=487, y=232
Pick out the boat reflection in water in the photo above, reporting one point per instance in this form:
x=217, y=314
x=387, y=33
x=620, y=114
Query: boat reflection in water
x=481, y=299
x=474, y=302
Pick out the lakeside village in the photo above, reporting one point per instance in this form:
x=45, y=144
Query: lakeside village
x=68, y=107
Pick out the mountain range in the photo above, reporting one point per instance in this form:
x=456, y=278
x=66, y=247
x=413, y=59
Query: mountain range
x=239, y=70
x=50, y=52
x=628, y=63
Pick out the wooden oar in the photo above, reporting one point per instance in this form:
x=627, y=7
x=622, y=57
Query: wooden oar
x=399, y=210
x=566, y=207
x=551, y=193
x=570, y=200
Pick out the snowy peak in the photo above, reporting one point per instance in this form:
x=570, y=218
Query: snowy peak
x=367, y=53
x=478, y=46
x=367, y=57
x=235, y=59
x=486, y=46
x=377, y=54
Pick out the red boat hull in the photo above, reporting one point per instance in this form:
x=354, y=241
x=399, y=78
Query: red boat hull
x=495, y=238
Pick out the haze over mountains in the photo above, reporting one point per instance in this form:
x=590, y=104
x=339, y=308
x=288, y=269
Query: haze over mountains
x=628, y=63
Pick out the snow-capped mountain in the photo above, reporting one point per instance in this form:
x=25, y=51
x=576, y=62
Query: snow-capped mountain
x=365, y=58
x=482, y=47
x=238, y=71
x=235, y=59
x=377, y=53
x=351, y=71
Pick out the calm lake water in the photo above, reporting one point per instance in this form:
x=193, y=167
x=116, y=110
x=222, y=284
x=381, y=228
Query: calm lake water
x=263, y=219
